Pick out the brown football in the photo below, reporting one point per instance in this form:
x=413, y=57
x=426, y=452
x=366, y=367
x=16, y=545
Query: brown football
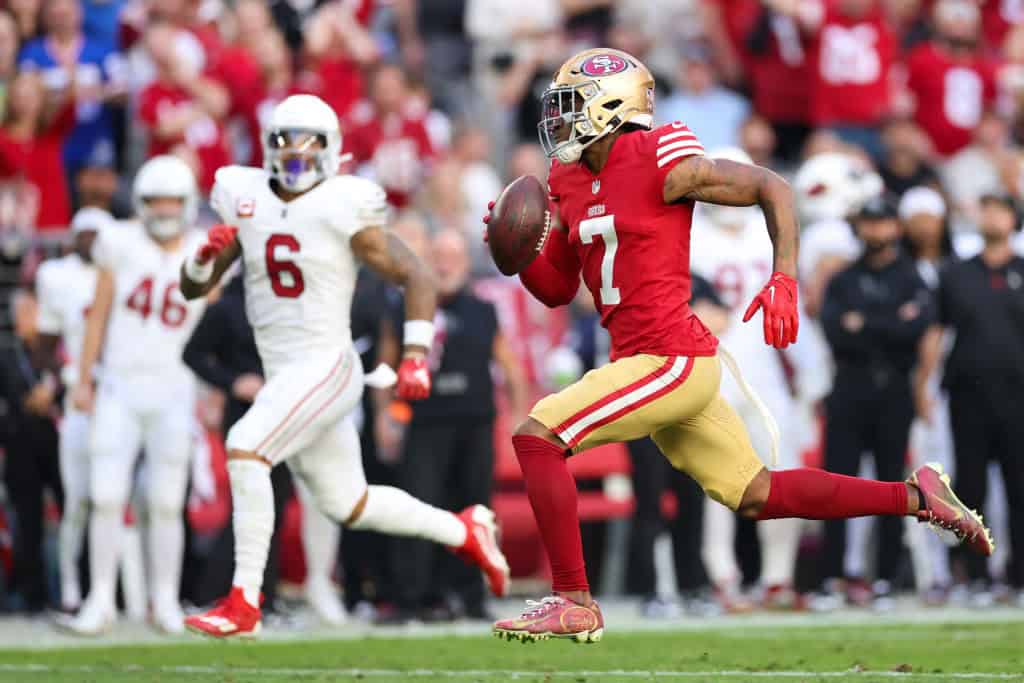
x=518, y=224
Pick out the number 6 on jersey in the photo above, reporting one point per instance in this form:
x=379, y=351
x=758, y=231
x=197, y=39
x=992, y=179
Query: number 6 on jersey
x=605, y=227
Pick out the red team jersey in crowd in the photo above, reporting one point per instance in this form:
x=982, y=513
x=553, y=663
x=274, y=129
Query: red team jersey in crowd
x=951, y=96
x=850, y=60
x=778, y=73
x=633, y=248
x=204, y=136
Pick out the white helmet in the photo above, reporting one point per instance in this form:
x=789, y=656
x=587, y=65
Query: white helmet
x=294, y=124
x=833, y=186
x=165, y=176
x=729, y=216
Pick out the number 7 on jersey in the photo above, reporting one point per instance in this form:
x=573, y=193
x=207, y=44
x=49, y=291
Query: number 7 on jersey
x=605, y=227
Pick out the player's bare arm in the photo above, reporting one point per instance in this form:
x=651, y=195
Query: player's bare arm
x=387, y=254
x=95, y=329
x=720, y=181
x=220, y=252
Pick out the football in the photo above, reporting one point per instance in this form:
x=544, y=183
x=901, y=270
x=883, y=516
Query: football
x=518, y=224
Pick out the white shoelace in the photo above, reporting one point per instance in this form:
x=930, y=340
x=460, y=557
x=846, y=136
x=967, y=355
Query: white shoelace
x=535, y=608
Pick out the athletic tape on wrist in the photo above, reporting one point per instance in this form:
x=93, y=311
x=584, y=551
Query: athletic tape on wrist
x=418, y=333
x=198, y=272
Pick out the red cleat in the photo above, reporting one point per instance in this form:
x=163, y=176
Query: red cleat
x=944, y=511
x=554, y=617
x=481, y=548
x=231, y=617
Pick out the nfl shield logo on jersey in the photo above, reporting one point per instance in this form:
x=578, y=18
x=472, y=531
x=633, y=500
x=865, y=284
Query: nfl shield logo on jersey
x=595, y=187
x=245, y=208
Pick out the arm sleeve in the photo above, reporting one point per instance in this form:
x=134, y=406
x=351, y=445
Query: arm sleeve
x=47, y=317
x=220, y=196
x=554, y=276
x=200, y=353
x=669, y=145
x=368, y=208
x=105, y=249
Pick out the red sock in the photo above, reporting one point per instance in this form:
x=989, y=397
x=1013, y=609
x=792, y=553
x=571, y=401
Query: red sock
x=552, y=492
x=817, y=494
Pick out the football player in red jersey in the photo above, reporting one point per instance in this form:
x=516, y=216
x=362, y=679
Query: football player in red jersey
x=624, y=193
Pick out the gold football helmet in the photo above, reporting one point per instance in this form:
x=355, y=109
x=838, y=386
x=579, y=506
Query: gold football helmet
x=592, y=95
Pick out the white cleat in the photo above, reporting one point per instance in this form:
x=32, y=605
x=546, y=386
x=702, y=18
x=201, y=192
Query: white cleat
x=323, y=598
x=168, y=618
x=94, y=619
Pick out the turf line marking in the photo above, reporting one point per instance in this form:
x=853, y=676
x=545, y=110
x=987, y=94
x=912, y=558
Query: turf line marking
x=512, y=674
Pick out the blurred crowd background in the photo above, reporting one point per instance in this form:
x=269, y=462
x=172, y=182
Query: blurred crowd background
x=438, y=102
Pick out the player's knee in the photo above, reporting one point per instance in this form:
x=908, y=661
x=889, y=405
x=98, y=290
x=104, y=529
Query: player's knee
x=531, y=427
x=756, y=495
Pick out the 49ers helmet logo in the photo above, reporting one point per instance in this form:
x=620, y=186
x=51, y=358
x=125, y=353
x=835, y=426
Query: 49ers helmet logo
x=602, y=65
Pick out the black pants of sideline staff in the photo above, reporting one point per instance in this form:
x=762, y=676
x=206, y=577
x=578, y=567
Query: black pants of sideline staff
x=448, y=463
x=865, y=417
x=988, y=426
x=30, y=466
x=652, y=476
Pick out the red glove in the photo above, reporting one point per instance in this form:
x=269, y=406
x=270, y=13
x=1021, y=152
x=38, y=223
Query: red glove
x=217, y=240
x=413, y=379
x=487, y=218
x=778, y=303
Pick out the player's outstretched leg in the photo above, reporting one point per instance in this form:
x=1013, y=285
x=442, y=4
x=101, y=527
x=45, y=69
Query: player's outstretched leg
x=252, y=498
x=817, y=494
x=571, y=612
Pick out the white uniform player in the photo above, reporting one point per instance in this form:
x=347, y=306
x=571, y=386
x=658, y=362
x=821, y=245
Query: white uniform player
x=65, y=289
x=730, y=247
x=146, y=395
x=300, y=229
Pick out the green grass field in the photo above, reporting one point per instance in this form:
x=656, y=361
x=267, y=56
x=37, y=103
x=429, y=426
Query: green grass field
x=985, y=651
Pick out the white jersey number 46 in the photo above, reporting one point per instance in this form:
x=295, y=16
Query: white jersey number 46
x=605, y=227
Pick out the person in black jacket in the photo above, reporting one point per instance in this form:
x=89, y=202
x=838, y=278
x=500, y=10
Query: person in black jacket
x=875, y=313
x=448, y=454
x=982, y=300
x=28, y=434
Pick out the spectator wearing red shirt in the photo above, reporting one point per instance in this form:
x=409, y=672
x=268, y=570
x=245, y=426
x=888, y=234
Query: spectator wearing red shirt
x=950, y=79
x=851, y=51
x=183, y=108
x=339, y=47
x=31, y=142
x=276, y=82
x=998, y=18
x=389, y=139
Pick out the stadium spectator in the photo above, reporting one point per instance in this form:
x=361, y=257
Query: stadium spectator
x=183, y=107
x=991, y=164
x=276, y=82
x=905, y=153
x=449, y=448
x=522, y=83
x=31, y=139
x=8, y=55
x=758, y=139
x=874, y=315
x=713, y=112
x=851, y=53
x=98, y=76
x=389, y=142
x=952, y=81
x=339, y=48
x=982, y=300
x=31, y=463
x=26, y=15
x=101, y=20
x=435, y=49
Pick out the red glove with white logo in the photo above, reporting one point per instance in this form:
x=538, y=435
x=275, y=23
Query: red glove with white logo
x=413, y=379
x=778, y=303
x=217, y=240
